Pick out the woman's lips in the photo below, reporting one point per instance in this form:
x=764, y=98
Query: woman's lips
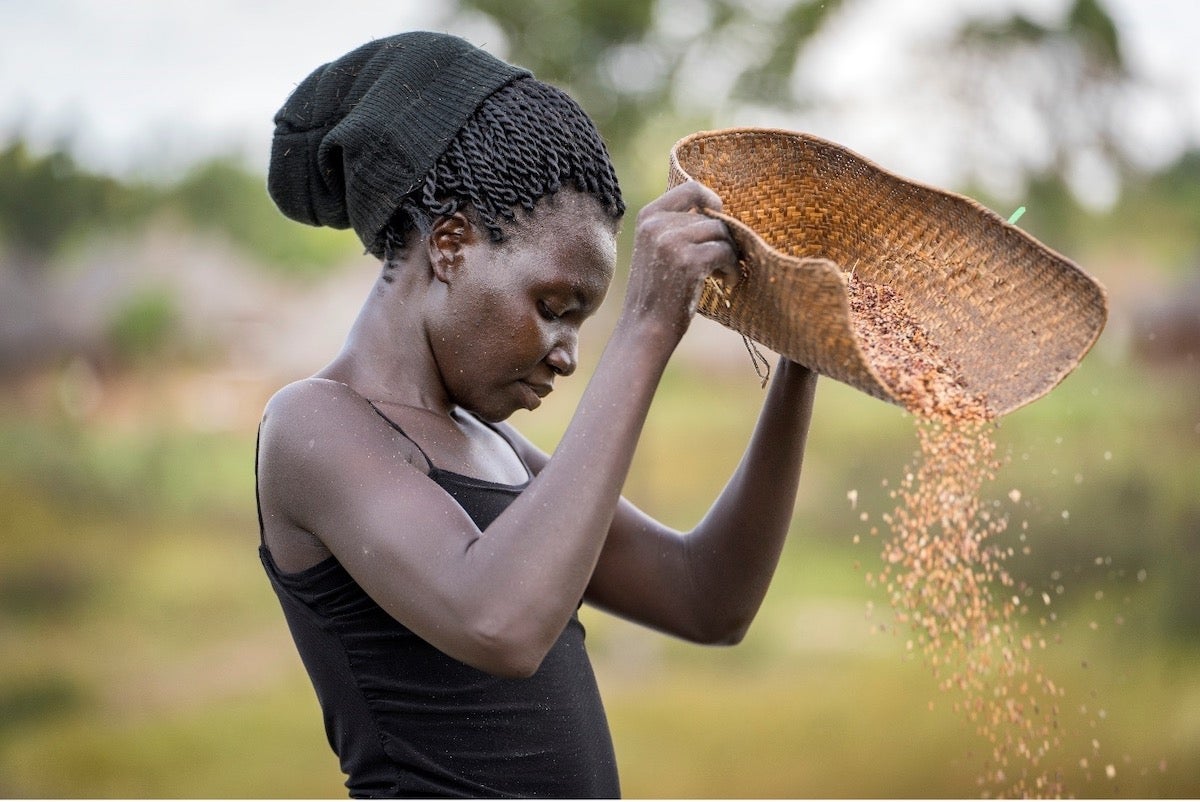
x=534, y=393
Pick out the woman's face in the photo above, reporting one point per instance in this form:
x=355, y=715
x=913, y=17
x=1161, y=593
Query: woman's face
x=509, y=324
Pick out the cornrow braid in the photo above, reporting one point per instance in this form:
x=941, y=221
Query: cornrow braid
x=525, y=141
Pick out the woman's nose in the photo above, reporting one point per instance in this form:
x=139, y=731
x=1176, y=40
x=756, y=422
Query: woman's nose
x=564, y=356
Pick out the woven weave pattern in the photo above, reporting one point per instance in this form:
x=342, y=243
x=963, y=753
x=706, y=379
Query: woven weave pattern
x=809, y=216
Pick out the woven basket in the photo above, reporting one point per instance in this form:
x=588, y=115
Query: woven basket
x=806, y=214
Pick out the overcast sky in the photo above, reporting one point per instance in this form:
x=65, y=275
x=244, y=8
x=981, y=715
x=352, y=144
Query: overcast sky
x=162, y=82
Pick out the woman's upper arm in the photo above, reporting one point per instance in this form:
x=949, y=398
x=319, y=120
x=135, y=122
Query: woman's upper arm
x=644, y=575
x=642, y=572
x=338, y=471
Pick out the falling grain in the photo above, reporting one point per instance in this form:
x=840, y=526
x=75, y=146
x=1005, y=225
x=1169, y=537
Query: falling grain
x=942, y=571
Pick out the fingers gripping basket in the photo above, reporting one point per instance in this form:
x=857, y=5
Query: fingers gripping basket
x=808, y=215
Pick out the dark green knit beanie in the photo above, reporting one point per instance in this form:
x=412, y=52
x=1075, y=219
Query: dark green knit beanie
x=361, y=132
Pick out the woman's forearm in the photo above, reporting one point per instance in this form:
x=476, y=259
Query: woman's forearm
x=545, y=546
x=733, y=551
x=533, y=564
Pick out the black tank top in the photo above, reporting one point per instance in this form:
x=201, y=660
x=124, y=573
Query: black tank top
x=406, y=719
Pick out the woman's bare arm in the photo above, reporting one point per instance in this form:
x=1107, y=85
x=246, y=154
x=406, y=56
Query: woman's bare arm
x=706, y=585
x=496, y=600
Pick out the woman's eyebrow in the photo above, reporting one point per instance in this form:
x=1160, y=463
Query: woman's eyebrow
x=582, y=295
x=589, y=298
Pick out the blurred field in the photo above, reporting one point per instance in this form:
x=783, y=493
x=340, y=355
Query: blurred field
x=146, y=317
x=145, y=654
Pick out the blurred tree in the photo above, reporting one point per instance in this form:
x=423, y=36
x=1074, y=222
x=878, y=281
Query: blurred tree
x=222, y=195
x=144, y=325
x=1022, y=99
x=1044, y=101
x=626, y=62
x=46, y=200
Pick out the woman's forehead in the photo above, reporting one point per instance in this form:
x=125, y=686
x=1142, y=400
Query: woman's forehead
x=575, y=230
x=581, y=262
x=571, y=208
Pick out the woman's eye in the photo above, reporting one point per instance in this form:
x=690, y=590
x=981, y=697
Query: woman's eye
x=546, y=312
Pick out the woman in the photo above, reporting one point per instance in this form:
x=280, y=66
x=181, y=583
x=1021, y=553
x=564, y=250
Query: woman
x=429, y=559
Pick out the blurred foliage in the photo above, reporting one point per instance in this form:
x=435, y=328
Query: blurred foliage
x=634, y=67
x=1067, y=83
x=223, y=196
x=1158, y=210
x=1067, y=80
x=35, y=700
x=48, y=202
x=625, y=61
x=1154, y=216
x=150, y=473
x=1086, y=24
x=143, y=326
x=1097, y=34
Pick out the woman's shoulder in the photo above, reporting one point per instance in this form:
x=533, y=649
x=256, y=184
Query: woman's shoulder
x=308, y=407
x=304, y=393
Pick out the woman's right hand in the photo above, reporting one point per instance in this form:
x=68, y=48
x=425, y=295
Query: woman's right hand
x=676, y=247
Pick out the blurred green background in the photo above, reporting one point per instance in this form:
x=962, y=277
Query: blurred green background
x=149, y=308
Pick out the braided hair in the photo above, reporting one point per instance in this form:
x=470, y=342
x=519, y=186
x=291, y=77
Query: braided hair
x=525, y=141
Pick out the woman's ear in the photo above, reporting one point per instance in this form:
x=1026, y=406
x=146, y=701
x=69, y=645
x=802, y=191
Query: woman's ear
x=446, y=243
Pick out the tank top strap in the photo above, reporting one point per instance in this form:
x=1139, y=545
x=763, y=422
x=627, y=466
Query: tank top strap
x=262, y=531
x=434, y=469
x=403, y=434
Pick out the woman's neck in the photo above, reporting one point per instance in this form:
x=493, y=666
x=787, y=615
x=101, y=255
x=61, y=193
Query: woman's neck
x=386, y=355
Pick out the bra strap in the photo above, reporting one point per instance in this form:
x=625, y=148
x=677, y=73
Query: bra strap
x=403, y=434
x=262, y=531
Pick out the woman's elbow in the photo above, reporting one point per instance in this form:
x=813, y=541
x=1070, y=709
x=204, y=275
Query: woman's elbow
x=731, y=636
x=507, y=653
x=725, y=630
